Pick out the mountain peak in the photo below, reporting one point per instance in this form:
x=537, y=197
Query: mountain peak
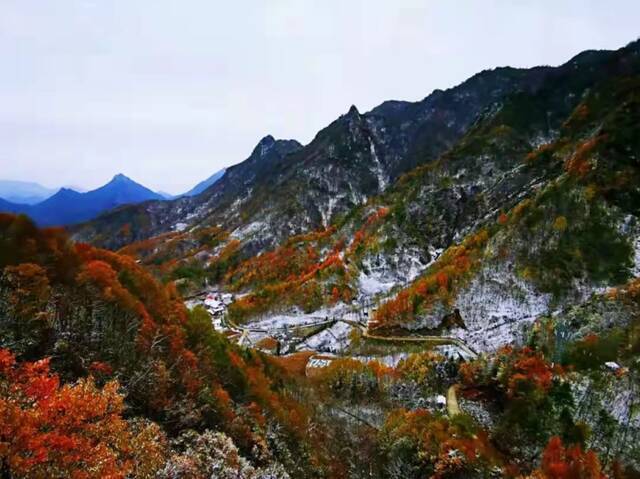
x=264, y=145
x=24, y=192
x=66, y=190
x=120, y=178
x=353, y=111
x=267, y=140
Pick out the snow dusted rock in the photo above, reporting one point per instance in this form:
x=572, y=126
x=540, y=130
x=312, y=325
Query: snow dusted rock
x=249, y=230
x=381, y=272
x=636, y=257
x=478, y=411
x=453, y=351
x=374, y=284
x=354, y=158
x=496, y=307
x=332, y=339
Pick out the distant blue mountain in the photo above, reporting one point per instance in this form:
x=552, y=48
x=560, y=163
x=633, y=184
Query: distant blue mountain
x=203, y=185
x=10, y=207
x=24, y=192
x=165, y=195
x=68, y=206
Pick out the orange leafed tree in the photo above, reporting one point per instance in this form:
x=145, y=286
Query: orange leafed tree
x=529, y=368
x=579, y=164
x=572, y=462
x=335, y=295
x=71, y=431
x=452, y=268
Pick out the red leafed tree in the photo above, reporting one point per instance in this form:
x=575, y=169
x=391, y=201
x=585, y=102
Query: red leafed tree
x=529, y=369
x=442, y=278
x=103, y=275
x=71, y=431
x=559, y=462
x=335, y=295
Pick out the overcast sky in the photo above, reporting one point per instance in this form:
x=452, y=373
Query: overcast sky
x=168, y=92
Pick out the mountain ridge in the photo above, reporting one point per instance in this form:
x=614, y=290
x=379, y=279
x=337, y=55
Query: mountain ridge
x=24, y=192
x=358, y=155
x=204, y=184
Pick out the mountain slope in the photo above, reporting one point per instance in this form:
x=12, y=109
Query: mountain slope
x=203, y=185
x=97, y=317
x=516, y=241
x=512, y=158
x=359, y=155
x=136, y=222
x=12, y=207
x=522, y=240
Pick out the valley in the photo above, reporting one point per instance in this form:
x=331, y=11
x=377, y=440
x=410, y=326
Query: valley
x=327, y=333
x=445, y=288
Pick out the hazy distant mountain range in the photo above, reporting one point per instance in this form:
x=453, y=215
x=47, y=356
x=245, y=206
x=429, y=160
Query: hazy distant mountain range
x=65, y=206
x=68, y=206
x=24, y=192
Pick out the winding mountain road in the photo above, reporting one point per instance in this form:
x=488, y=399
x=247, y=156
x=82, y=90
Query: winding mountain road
x=433, y=340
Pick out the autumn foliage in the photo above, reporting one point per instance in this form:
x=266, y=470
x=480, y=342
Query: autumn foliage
x=438, y=284
x=438, y=447
x=109, y=317
x=362, y=235
x=542, y=150
x=528, y=369
x=307, y=271
x=580, y=163
x=518, y=372
x=560, y=462
x=297, y=273
x=75, y=430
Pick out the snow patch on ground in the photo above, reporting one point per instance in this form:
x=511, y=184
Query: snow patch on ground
x=496, y=307
x=378, y=170
x=372, y=285
x=297, y=319
x=333, y=339
x=327, y=212
x=453, y=351
x=635, y=271
x=542, y=139
x=630, y=227
x=381, y=273
x=617, y=397
x=248, y=230
x=389, y=360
